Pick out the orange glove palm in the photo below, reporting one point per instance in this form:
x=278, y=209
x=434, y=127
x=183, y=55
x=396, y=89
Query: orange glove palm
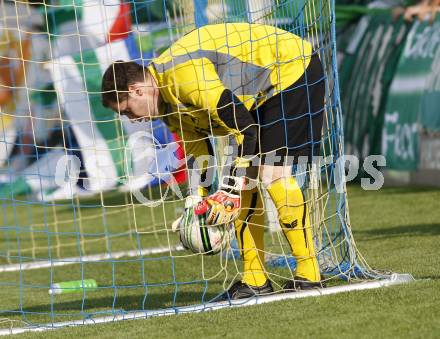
x=223, y=206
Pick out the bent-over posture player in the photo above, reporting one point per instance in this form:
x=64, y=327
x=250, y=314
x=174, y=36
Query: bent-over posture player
x=260, y=85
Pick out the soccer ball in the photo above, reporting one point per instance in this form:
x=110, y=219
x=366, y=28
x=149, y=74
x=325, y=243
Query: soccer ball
x=196, y=235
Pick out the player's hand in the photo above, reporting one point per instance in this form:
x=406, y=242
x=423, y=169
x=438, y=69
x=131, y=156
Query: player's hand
x=190, y=203
x=224, y=205
x=221, y=207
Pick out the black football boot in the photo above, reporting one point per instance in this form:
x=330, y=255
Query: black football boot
x=241, y=290
x=301, y=284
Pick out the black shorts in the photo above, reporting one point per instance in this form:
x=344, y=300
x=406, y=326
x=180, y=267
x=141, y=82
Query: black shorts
x=290, y=123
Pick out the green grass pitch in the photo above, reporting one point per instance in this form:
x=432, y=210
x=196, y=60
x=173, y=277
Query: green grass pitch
x=397, y=229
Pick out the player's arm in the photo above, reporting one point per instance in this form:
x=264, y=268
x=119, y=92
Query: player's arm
x=207, y=92
x=200, y=87
x=224, y=205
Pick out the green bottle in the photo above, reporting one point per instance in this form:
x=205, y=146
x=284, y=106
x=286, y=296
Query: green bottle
x=73, y=286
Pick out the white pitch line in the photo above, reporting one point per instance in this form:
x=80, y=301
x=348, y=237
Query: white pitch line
x=86, y=258
x=394, y=279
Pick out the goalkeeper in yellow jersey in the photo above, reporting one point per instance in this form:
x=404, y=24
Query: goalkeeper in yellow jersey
x=264, y=87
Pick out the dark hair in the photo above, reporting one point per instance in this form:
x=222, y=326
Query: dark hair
x=116, y=79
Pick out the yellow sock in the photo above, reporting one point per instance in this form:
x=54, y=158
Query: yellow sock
x=294, y=219
x=249, y=230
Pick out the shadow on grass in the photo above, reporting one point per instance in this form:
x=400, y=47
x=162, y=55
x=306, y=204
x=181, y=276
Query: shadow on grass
x=107, y=305
x=399, y=231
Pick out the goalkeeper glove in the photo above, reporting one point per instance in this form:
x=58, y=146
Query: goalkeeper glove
x=223, y=206
x=190, y=202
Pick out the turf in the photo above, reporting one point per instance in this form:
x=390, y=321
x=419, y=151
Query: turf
x=396, y=229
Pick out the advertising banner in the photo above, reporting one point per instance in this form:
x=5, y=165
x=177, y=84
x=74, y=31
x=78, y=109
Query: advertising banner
x=414, y=98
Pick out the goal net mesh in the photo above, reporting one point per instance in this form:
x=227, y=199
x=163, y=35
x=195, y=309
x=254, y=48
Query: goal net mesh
x=86, y=195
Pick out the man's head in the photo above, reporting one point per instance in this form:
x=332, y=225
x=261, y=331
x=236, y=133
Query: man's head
x=130, y=90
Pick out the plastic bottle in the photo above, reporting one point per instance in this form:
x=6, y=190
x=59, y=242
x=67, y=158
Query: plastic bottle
x=73, y=286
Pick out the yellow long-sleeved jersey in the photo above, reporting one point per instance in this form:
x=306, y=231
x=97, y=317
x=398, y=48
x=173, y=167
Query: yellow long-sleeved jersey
x=216, y=65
